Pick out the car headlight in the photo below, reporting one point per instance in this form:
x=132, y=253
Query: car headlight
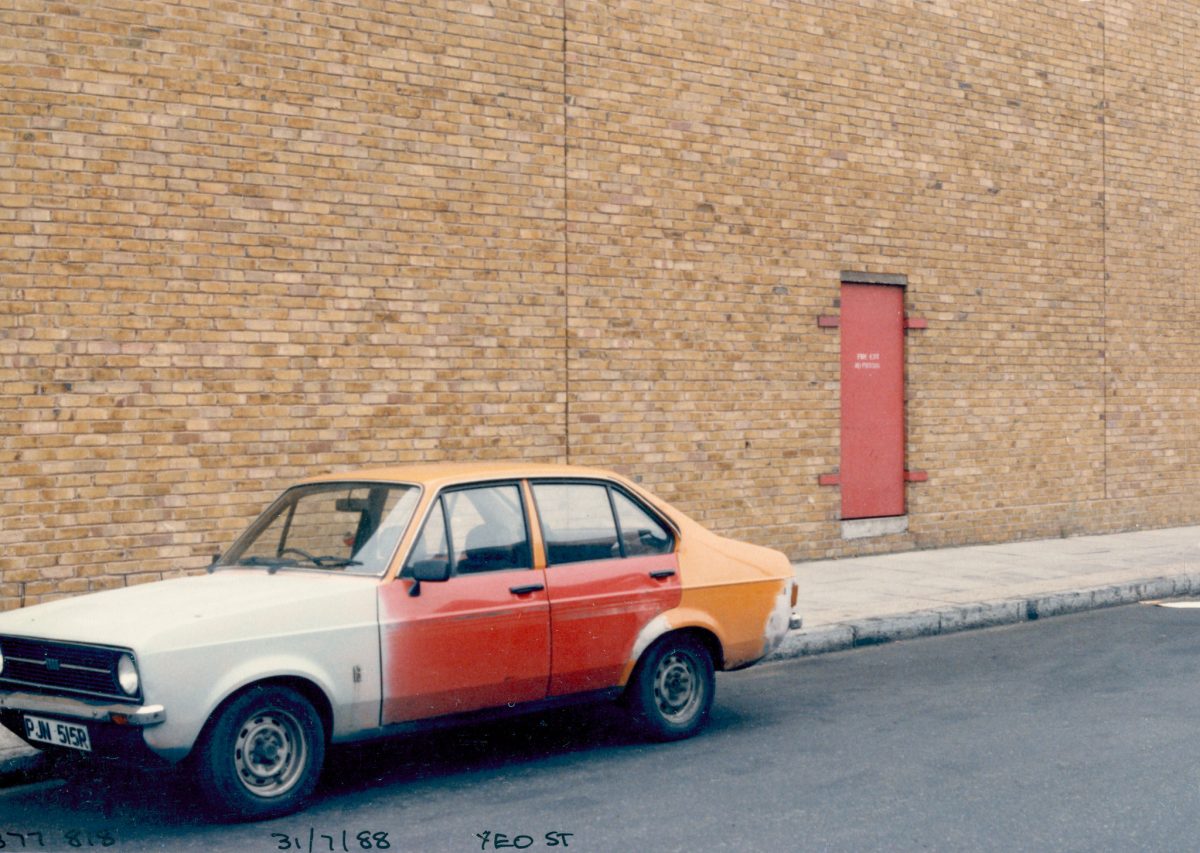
x=1, y=661
x=127, y=675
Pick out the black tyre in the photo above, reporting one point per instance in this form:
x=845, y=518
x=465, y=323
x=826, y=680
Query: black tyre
x=261, y=755
x=672, y=688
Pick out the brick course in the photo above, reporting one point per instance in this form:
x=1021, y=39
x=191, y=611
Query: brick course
x=244, y=242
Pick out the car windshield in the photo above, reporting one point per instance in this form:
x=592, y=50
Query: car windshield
x=345, y=527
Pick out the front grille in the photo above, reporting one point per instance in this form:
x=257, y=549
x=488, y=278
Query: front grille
x=61, y=668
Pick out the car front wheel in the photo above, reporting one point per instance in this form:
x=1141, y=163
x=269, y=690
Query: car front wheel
x=261, y=755
x=672, y=688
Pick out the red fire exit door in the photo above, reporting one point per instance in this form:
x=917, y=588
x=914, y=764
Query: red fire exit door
x=872, y=464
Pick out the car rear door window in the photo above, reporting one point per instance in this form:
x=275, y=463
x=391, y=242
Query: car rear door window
x=577, y=522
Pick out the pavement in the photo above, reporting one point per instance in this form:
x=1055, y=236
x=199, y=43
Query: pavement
x=863, y=601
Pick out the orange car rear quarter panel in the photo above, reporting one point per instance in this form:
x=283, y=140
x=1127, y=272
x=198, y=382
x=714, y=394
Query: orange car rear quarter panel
x=739, y=593
x=741, y=616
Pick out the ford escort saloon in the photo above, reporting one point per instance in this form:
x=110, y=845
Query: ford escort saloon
x=380, y=602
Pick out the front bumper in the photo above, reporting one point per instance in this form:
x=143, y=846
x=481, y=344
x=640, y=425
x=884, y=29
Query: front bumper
x=115, y=729
x=77, y=709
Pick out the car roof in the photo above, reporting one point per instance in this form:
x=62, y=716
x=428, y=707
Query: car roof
x=436, y=475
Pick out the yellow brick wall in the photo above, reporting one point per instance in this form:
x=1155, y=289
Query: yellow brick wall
x=243, y=242
x=1152, y=332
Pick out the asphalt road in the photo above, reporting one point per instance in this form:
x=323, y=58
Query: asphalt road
x=1077, y=733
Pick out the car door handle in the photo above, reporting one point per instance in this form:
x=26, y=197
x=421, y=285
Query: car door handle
x=525, y=590
x=663, y=574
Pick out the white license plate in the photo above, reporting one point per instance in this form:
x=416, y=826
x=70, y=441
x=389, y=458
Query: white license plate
x=57, y=732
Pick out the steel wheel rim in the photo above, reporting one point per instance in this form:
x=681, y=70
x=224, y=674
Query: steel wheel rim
x=678, y=691
x=270, y=753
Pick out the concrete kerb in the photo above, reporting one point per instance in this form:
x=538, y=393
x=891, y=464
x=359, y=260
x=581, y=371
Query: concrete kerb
x=857, y=633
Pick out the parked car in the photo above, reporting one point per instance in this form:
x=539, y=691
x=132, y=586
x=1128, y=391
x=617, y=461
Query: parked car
x=379, y=602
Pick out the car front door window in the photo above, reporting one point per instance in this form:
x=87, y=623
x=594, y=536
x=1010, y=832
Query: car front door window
x=487, y=529
x=430, y=547
x=477, y=530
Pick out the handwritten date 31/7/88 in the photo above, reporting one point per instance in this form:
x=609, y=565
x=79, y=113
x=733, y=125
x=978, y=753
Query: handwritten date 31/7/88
x=344, y=841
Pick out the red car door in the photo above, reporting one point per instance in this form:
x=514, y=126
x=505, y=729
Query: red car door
x=611, y=568
x=482, y=637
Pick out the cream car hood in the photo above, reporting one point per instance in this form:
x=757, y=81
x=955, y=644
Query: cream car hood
x=228, y=605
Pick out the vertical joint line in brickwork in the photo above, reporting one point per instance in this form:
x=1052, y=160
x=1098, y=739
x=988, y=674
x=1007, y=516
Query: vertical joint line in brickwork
x=566, y=274
x=1104, y=232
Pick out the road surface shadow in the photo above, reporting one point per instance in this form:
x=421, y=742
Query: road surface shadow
x=96, y=796
x=435, y=755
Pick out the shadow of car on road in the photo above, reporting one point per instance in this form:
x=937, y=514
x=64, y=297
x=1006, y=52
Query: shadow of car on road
x=84, y=794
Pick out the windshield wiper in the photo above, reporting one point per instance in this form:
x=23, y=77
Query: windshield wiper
x=272, y=565
x=335, y=562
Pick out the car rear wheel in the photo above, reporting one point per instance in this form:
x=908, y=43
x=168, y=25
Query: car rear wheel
x=672, y=688
x=261, y=755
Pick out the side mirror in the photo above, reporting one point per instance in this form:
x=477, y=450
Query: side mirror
x=213, y=565
x=433, y=571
